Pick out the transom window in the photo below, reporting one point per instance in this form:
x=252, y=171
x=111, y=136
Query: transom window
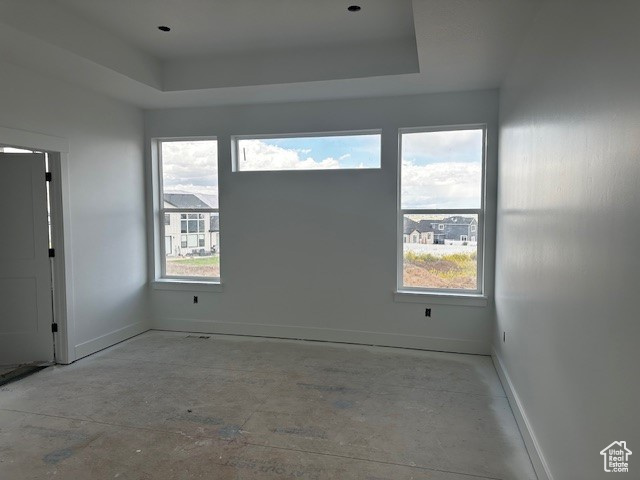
x=330, y=151
x=189, y=207
x=441, y=198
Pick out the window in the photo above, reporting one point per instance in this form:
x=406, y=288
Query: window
x=308, y=152
x=189, y=206
x=193, y=224
x=441, y=196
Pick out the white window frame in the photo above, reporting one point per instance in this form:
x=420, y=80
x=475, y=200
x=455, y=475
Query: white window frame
x=480, y=212
x=235, y=148
x=162, y=211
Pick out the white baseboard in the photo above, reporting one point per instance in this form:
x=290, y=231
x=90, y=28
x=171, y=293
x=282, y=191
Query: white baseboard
x=324, y=334
x=535, y=453
x=92, y=346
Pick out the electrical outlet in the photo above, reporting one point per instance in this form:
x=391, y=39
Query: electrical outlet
x=195, y=299
x=427, y=312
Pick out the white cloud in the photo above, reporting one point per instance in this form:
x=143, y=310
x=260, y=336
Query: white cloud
x=445, y=145
x=190, y=167
x=442, y=169
x=258, y=155
x=441, y=185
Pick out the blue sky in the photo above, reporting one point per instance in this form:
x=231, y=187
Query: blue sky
x=354, y=151
x=310, y=153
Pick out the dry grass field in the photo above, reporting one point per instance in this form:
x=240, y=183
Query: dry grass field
x=426, y=270
x=456, y=270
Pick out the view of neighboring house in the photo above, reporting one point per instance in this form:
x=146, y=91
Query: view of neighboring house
x=453, y=229
x=190, y=233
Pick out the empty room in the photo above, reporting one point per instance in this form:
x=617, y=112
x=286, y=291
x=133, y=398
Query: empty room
x=298, y=239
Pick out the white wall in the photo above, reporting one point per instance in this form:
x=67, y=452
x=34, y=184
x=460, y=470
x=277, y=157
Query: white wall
x=105, y=199
x=568, y=253
x=292, y=263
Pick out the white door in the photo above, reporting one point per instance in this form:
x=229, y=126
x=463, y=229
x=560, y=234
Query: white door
x=25, y=271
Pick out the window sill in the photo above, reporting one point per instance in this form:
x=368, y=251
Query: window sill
x=187, y=285
x=456, y=299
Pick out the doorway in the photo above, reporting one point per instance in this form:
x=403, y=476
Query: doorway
x=28, y=323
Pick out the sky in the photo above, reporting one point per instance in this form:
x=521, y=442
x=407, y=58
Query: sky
x=310, y=153
x=191, y=167
x=439, y=169
x=442, y=169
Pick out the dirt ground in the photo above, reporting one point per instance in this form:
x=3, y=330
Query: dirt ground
x=437, y=276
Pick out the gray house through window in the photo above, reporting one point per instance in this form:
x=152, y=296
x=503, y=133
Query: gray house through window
x=452, y=229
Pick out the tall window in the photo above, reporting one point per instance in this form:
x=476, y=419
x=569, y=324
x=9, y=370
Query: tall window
x=441, y=209
x=189, y=209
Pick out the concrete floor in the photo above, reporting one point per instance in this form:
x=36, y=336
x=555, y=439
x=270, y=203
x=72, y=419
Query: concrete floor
x=5, y=369
x=175, y=406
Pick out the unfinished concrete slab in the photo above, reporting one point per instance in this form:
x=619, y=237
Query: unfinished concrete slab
x=175, y=405
x=4, y=369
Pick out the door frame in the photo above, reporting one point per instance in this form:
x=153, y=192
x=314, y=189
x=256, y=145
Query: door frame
x=58, y=150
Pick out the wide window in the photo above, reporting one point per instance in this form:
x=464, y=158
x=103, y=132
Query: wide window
x=189, y=209
x=441, y=209
x=308, y=152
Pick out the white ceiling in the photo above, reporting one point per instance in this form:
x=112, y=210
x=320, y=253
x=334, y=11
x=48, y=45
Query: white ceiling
x=245, y=51
x=205, y=27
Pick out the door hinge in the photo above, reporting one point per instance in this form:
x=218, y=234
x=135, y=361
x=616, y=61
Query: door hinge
x=47, y=176
x=52, y=252
x=54, y=327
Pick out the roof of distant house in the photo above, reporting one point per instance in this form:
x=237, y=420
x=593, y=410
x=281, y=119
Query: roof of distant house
x=409, y=226
x=432, y=224
x=458, y=219
x=185, y=200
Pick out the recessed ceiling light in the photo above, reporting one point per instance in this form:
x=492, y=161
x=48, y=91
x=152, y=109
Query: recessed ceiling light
x=164, y=28
x=354, y=8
